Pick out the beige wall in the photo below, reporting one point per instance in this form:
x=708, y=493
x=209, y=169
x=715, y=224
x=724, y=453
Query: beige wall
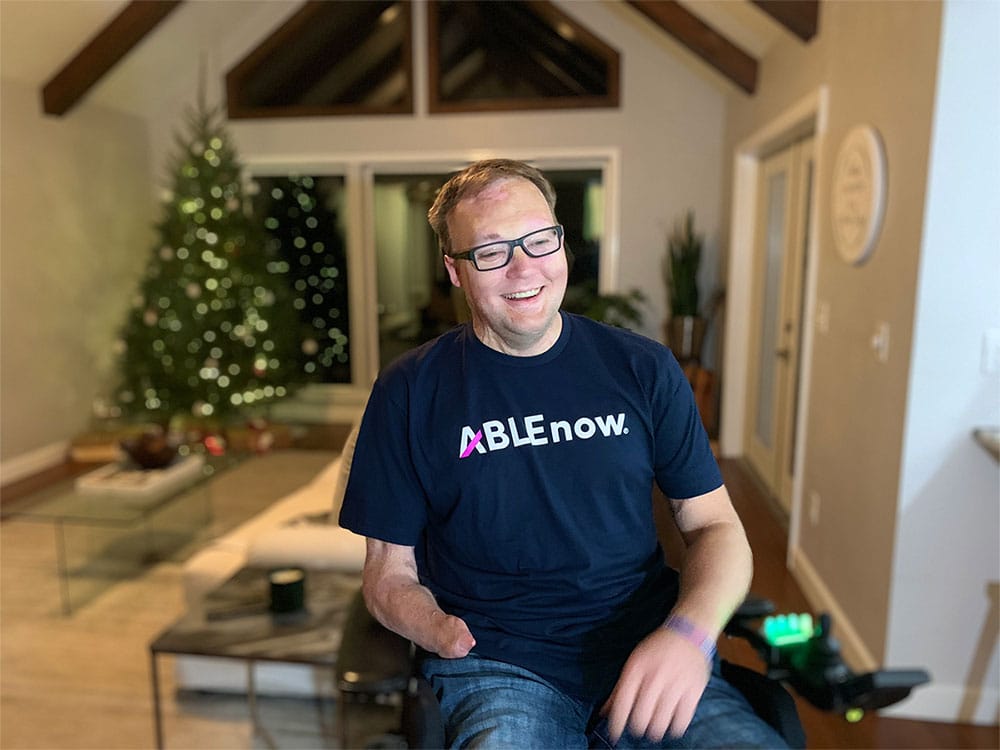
x=879, y=61
x=75, y=232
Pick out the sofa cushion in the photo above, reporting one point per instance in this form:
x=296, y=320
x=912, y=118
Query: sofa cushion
x=310, y=545
x=344, y=470
x=314, y=497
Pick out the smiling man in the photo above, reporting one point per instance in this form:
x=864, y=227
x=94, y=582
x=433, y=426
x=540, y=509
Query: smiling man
x=502, y=476
x=514, y=306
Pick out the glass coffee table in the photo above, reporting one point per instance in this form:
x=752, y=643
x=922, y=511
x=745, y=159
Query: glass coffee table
x=235, y=622
x=105, y=537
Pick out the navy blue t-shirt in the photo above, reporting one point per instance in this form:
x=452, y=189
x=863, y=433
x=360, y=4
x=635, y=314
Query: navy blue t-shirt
x=524, y=483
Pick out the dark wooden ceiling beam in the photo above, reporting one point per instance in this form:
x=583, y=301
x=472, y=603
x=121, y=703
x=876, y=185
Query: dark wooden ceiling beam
x=711, y=46
x=67, y=87
x=801, y=17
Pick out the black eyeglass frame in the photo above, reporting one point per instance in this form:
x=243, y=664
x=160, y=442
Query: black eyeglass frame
x=511, y=245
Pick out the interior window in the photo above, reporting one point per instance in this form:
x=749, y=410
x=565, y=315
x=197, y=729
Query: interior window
x=515, y=55
x=344, y=57
x=355, y=57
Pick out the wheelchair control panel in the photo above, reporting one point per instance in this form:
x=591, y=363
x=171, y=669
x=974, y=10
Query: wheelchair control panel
x=802, y=652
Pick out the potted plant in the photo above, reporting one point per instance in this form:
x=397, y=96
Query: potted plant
x=685, y=328
x=619, y=310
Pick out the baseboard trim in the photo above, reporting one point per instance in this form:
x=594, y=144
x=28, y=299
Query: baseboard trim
x=853, y=648
x=33, y=462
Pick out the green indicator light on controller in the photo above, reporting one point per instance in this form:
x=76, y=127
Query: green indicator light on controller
x=781, y=630
x=854, y=715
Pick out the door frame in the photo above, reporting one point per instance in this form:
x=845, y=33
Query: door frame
x=809, y=115
x=763, y=456
x=794, y=296
x=774, y=460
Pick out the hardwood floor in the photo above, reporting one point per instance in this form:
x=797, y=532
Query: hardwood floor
x=768, y=539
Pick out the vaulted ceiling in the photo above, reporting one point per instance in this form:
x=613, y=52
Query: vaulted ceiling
x=728, y=35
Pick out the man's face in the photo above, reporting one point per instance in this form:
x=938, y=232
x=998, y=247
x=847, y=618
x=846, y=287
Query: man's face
x=515, y=309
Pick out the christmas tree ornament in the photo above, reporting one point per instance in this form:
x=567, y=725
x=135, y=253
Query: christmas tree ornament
x=215, y=444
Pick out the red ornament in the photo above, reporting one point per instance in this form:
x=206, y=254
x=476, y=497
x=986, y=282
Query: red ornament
x=215, y=445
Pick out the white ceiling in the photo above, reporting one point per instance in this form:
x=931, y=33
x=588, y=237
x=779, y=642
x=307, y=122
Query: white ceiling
x=38, y=37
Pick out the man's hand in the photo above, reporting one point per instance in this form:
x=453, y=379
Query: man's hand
x=666, y=674
x=396, y=598
x=454, y=640
x=659, y=688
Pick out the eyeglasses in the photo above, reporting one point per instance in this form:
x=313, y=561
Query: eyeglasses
x=494, y=255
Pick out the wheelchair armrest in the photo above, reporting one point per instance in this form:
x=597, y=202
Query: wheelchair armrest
x=753, y=608
x=375, y=661
x=887, y=686
x=769, y=700
x=740, y=624
x=372, y=659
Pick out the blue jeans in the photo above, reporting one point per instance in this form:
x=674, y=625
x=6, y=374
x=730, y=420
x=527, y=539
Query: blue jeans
x=491, y=704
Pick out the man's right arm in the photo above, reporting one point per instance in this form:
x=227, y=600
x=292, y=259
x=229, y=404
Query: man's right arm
x=396, y=598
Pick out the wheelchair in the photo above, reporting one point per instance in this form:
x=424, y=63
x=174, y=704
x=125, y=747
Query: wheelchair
x=797, y=652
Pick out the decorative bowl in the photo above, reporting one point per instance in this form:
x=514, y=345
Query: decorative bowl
x=152, y=449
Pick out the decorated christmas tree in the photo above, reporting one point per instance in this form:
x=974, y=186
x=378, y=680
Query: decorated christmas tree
x=212, y=329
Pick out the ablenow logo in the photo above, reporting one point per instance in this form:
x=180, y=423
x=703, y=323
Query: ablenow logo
x=495, y=434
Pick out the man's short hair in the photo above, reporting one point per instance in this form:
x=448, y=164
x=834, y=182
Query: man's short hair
x=473, y=180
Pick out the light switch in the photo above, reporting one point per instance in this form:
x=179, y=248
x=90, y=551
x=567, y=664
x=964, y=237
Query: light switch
x=823, y=316
x=991, y=351
x=880, y=342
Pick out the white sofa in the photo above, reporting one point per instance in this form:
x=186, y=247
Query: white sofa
x=286, y=533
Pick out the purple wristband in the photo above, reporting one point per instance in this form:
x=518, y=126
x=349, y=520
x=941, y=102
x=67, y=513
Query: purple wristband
x=693, y=634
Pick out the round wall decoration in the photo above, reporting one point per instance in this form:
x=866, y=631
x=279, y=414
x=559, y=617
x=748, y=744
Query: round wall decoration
x=859, y=187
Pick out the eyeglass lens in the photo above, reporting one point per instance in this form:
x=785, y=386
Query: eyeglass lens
x=536, y=244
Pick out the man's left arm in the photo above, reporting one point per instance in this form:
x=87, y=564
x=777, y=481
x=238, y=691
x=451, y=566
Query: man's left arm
x=666, y=674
